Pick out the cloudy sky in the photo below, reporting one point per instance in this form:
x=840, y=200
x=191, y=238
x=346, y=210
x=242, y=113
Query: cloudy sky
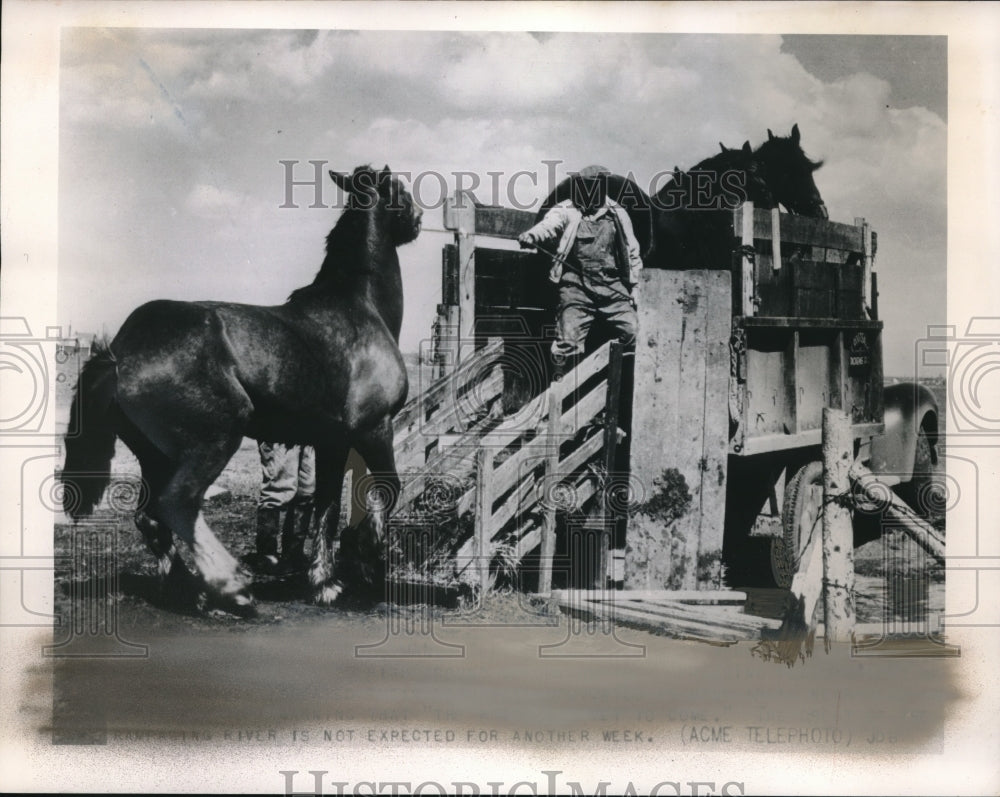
x=171, y=141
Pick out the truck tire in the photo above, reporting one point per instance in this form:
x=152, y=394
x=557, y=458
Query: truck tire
x=925, y=493
x=801, y=515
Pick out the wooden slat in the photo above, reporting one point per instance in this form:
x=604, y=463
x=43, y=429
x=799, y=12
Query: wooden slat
x=454, y=384
x=585, y=369
x=573, y=419
x=522, y=499
x=811, y=437
x=807, y=231
x=449, y=274
x=449, y=418
x=551, y=471
x=446, y=342
x=460, y=216
x=456, y=460
x=791, y=369
x=715, y=457
x=691, y=422
x=483, y=533
x=528, y=534
x=656, y=406
x=793, y=322
x=922, y=532
x=612, y=411
x=745, y=224
x=582, y=455
x=866, y=244
x=776, y=239
x=501, y=222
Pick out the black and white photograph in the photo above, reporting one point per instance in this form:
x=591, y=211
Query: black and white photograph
x=503, y=398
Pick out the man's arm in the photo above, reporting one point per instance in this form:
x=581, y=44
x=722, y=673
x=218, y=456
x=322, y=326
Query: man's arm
x=551, y=226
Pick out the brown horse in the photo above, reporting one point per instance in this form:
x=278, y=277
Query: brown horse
x=183, y=382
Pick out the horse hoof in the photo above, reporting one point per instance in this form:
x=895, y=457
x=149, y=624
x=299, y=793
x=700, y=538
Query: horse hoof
x=328, y=593
x=259, y=564
x=240, y=604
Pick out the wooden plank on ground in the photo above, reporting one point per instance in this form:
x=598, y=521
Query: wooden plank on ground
x=684, y=627
x=694, y=596
x=724, y=616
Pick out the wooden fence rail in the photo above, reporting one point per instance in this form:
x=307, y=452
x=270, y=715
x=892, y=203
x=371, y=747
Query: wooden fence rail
x=509, y=468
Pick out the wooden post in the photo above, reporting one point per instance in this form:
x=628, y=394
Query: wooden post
x=776, y=238
x=481, y=543
x=447, y=340
x=747, y=261
x=460, y=216
x=548, y=543
x=866, y=279
x=874, y=313
x=610, y=450
x=838, y=529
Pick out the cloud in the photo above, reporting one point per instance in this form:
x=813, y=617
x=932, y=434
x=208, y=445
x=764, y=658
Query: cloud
x=201, y=128
x=212, y=201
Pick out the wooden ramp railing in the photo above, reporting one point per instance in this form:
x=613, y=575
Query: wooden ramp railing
x=455, y=403
x=490, y=484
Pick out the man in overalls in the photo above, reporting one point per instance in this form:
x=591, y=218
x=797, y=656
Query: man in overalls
x=596, y=264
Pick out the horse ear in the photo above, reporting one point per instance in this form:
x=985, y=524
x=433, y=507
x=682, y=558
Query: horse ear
x=747, y=150
x=723, y=147
x=817, y=165
x=795, y=133
x=770, y=135
x=342, y=180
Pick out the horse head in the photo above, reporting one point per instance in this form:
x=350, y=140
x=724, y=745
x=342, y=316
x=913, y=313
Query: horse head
x=789, y=174
x=739, y=175
x=382, y=192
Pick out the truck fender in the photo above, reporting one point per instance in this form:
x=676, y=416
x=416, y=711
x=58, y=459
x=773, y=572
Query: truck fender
x=909, y=409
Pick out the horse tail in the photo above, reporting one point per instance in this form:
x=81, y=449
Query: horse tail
x=90, y=445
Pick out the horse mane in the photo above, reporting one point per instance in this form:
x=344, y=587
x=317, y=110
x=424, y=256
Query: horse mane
x=347, y=237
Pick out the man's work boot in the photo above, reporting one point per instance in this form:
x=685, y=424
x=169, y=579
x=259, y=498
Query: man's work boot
x=295, y=531
x=264, y=559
